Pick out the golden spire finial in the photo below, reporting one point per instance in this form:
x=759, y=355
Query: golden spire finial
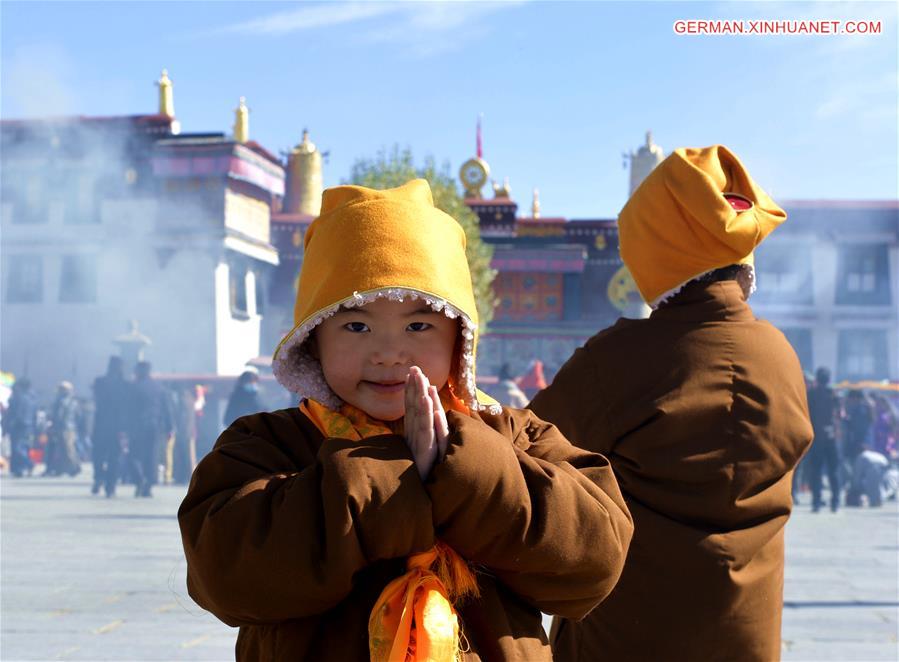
x=166, y=97
x=242, y=122
x=535, y=205
x=502, y=191
x=304, y=179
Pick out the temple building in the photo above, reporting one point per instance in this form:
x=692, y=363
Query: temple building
x=558, y=281
x=112, y=220
x=829, y=279
x=118, y=228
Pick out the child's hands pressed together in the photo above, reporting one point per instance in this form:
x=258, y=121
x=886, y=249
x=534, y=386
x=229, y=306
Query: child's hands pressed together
x=425, y=425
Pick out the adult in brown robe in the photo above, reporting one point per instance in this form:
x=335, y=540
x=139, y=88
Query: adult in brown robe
x=701, y=409
x=292, y=536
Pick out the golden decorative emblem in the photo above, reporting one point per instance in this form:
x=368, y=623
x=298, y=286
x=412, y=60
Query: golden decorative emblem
x=600, y=242
x=297, y=238
x=622, y=289
x=474, y=174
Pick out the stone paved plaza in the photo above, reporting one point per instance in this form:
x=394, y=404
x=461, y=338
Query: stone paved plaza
x=86, y=578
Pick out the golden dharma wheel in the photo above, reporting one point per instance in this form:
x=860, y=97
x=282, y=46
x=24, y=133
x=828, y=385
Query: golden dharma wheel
x=622, y=289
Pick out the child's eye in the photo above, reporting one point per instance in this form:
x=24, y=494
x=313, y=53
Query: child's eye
x=419, y=326
x=356, y=327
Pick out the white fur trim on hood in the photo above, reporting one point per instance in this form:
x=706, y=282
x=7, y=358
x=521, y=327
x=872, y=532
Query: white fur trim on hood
x=300, y=372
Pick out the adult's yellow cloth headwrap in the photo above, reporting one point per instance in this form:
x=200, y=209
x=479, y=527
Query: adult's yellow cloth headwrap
x=678, y=225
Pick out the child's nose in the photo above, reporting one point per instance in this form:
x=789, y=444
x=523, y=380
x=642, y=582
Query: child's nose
x=391, y=354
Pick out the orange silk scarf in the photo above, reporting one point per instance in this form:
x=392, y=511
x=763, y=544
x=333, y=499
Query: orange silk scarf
x=413, y=619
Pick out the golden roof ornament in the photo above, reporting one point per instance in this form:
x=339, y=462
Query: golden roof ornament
x=475, y=171
x=304, y=178
x=503, y=191
x=242, y=122
x=166, y=96
x=535, y=205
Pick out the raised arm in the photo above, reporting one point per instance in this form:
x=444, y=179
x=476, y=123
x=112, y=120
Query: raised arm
x=546, y=518
x=275, y=525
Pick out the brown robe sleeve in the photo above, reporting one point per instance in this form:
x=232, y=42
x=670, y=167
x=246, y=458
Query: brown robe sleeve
x=277, y=521
x=546, y=518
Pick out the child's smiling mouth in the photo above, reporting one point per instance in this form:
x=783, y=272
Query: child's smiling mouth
x=385, y=387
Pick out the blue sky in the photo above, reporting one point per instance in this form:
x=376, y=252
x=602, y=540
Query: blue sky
x=564, y=87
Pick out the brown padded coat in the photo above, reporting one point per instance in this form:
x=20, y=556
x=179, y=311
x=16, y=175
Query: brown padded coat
x=702, y=412
x=292, y=536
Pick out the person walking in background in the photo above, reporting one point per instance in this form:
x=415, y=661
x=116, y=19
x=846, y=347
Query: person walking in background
x=245, y=397
x=150, y=422
x=868, y=472
x=800, y=474
x=19, y=424
x=857, y=419
x=208, y=420
x=506, y=391
x=168, y=449
x=884, y=429
x=824, y=408
x=184, y=451
x=701, y=410
x=533, y=380
x=62, y=456
x=110, y=425
x=84, y=445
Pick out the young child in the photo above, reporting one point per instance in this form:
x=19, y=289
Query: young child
x=397, y=514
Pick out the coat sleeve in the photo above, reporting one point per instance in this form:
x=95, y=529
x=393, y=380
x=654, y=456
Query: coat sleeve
x=269, y=538
x=574, y=404
x=546, y=518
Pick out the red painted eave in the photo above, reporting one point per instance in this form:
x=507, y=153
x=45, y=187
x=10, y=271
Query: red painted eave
x=549, y=220
x=262, y=151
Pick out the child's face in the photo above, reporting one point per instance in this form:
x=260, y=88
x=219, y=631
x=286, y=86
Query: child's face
x=366, y=352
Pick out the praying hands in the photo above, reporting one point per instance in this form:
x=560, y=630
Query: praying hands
x=425, y=425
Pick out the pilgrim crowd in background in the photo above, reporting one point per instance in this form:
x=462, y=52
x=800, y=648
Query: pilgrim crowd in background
x=855, y=445
x=134, y=429
x=139, y=431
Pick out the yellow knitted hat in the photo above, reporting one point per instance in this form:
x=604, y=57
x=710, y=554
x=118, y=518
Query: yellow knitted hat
x=370, y=244
x=678, y=224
